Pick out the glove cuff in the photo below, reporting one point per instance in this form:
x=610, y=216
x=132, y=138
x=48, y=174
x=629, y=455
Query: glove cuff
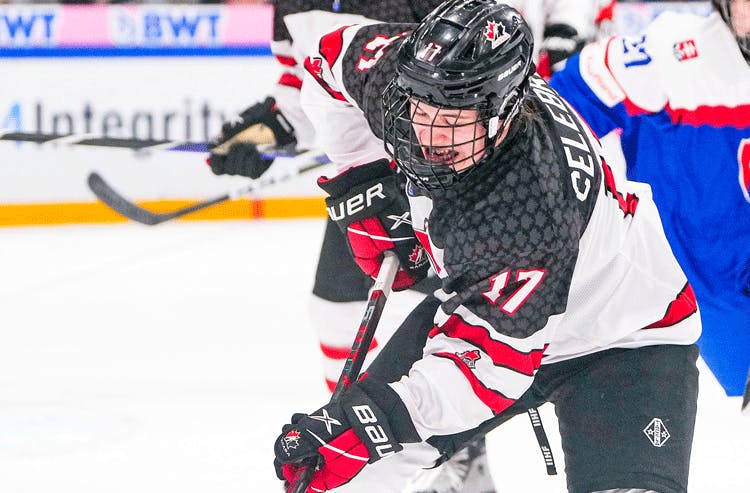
x=370, y=424
x=391, y=404
x=355, y=176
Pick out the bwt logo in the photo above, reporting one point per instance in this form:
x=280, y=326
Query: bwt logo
x=19, y=28
x=165, y=27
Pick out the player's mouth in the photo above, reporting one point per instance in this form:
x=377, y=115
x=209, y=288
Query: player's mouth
x=440, y=155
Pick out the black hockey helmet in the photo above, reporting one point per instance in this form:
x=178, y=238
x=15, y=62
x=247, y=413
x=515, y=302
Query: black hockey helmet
x=465, y=55
x=724, y=9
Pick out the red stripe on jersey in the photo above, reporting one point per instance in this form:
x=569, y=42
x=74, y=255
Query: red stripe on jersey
x=331, y=45
x=678, y=310
x=337, y=352
x=715, y=116
x=424, y=239
x=287, y=61
x=314, y=68
x=500, y=353
x=629, y=203
x=290, y=80
x=491, y=398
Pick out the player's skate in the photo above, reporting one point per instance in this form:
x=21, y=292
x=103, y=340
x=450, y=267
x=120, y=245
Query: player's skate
x=467, y=471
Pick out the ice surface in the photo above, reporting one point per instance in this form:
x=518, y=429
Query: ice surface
x=166, y=359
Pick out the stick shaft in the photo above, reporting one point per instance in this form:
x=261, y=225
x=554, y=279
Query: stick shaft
x=268, y=152
x=309, y=160
x=353, y=365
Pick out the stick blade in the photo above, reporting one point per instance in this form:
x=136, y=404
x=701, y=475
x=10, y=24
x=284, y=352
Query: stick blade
x=119, y=204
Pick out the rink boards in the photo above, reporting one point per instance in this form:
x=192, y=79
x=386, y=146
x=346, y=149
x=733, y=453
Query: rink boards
x=149, y=72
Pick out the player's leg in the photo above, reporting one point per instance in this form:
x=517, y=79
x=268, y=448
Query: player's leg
x=338, y=301
x=626, y=417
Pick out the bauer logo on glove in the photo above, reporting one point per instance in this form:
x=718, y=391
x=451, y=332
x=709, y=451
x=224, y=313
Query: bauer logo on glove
x=356, y=203
x=370, y=206
x=341, y=438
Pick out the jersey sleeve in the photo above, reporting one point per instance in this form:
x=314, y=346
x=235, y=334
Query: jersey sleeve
x=343, y=84
x=611, y=81
x=297, y=26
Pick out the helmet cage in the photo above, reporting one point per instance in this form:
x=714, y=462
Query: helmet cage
x=466, y=55
x=409, y=134
x=743, y=41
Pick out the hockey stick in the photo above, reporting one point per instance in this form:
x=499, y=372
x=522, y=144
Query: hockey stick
x=358, y=352
x=104, y=192
x=141, y=145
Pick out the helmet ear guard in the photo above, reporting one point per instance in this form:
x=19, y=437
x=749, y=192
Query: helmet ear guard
x=466, y=55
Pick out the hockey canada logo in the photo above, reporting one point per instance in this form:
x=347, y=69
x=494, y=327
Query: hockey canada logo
x=685, y=50
x=495, y=33
x=470, y=358
x=417, y=257
x=657, y=433
x=290, y=441
x=743, y=158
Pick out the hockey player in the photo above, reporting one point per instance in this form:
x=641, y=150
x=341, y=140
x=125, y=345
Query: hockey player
x=680, y=94
x=340, y=288
x=558, y=283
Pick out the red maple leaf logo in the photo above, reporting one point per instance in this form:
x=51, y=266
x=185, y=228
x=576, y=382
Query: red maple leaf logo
x=470, y=357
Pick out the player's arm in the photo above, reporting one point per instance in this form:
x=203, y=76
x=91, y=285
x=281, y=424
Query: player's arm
x=366, y=200
x=346, y=73
x=612, y=81
x=279, y=120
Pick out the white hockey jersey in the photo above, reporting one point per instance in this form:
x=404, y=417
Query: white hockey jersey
x=543, y=259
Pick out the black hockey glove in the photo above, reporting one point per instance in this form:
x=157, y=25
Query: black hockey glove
x=235, y=152
x=372, y=210
x=347, y=434
x=560, y=42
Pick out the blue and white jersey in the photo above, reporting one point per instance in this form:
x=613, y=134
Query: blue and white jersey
x=680, y=95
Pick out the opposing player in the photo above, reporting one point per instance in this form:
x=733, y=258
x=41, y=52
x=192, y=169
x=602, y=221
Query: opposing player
x=680, y=94
x=558, y=283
